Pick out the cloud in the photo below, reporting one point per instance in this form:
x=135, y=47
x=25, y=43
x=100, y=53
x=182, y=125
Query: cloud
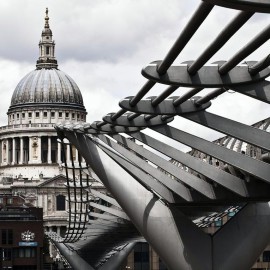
x=11, y=73
x=87, y=31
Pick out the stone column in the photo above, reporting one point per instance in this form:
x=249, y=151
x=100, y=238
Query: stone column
x=68, y=153
x=39, y=150
x=30, y=151
x=13, y=151
x=2, y=158
x=77, y=156
x=44, y=203
x=49, y=116
x=50, y=244
x=59, y=153
x=49, y=158
x=21, y=150
x=7, y=151
x=1, y=152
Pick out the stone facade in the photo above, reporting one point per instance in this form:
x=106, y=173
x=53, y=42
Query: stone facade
x=31, y=157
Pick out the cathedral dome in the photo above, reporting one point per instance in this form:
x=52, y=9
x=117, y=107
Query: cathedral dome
x=47, y=87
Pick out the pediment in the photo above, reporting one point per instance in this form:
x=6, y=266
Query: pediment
x=57, y=181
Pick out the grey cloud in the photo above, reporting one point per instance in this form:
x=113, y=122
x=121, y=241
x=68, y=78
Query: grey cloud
x=87, y=30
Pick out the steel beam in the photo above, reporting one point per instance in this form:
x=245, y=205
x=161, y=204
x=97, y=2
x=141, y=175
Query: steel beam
x=174, y=186
x=224, y=179
x=259, y=90
x=192, y=26
x=112, y=211
x=104, y=197
x=240, y=242
x=152, y=218
x=250, y=165
x=189, y=179
x=117, y=259
x=207, y=76
x=232, y=128
x=141, y=176
x=76, y=262
x=165, y=107
x=249, y=5
x=221, y=39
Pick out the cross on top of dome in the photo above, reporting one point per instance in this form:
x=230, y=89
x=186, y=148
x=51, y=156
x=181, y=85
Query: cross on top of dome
x=47, y=19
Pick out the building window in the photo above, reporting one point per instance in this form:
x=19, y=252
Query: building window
x=47, y=37
x=18, y=116
x=47, y=50
x=60, y=114
x=12, y=116
x=24, y=252
x=73, y=115
x=45, y=114
x=78, y=116
x=23, y=115
x=266, y=256
x=52, y=114
x=9, y=201
x=7, y=237
x=6, y=254
x=37, y=114
x=60, y=203
x=63, y=230
x=141, y=256
x=30, y=115
x=67, y=115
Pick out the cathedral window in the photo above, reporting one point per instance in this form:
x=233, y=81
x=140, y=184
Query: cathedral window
x=67, y=115
x=9, y=201
x=52, y=114
x=45, y=114
x=37, y=114
x=73, y=115
x=7, y=237
x=60, y=114
x=18, y=116
x=60, y=203
x=30, y=115
x=47, y=50
x=23, y=115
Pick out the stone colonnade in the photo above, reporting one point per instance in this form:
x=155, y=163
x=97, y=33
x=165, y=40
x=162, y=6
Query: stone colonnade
x=33, y=150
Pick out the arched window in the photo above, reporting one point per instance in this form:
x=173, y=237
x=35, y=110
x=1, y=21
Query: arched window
x=60, y=203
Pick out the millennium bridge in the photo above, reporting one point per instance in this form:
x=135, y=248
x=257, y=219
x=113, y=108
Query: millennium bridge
x=154, y=191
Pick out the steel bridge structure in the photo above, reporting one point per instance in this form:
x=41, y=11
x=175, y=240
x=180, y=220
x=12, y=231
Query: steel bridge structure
x=155, y=191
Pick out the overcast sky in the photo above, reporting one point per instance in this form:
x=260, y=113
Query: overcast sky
x=104, y=44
